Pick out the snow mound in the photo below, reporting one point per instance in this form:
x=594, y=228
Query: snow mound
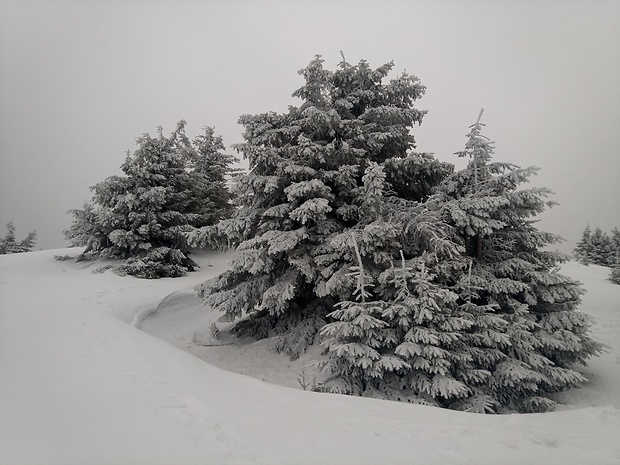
x=80, y=383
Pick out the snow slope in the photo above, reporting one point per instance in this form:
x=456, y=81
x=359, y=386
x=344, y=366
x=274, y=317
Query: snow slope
x=81, y=384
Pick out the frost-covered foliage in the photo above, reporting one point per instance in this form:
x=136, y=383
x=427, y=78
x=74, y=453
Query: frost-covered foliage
x=474, y=315
x=598, y=248
x=514, y=278
x=425, y=285
x=9, y=243
x=614, y=276
x=316, y=172
x=170, y=185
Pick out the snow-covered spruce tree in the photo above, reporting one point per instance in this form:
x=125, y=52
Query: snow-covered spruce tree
x=583, y=250
x=597, y=248
x=305, y=188
x=169, y=186
x=526, y=328
x=9, y=243
x=416, y=335
x=615, y=240
x=602, y=248
x=403, y=337
x=614, y=276
x=475, y=316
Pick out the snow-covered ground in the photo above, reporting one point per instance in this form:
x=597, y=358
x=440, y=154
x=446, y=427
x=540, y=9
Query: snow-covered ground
x=80, y=383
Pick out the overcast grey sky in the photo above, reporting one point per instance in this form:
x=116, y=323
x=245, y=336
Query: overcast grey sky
x=80, y=80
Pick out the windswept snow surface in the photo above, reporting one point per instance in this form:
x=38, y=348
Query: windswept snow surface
x=81, y=384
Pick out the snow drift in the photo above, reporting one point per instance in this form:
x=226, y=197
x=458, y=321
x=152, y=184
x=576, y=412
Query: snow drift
x=80, y=384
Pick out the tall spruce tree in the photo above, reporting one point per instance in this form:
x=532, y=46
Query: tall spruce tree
x=305, y=188
x=170, y=185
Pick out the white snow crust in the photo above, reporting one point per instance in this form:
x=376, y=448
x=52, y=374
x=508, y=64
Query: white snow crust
x=92, y=372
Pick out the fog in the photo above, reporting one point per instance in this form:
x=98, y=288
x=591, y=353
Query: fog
x=79, y=81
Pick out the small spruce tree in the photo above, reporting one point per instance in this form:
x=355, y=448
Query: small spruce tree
x=614, y=276
x=583, y=250
x=602, y=248
x=615, y=239
x=9, y=243
x=170, y=185
x=598, y=248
